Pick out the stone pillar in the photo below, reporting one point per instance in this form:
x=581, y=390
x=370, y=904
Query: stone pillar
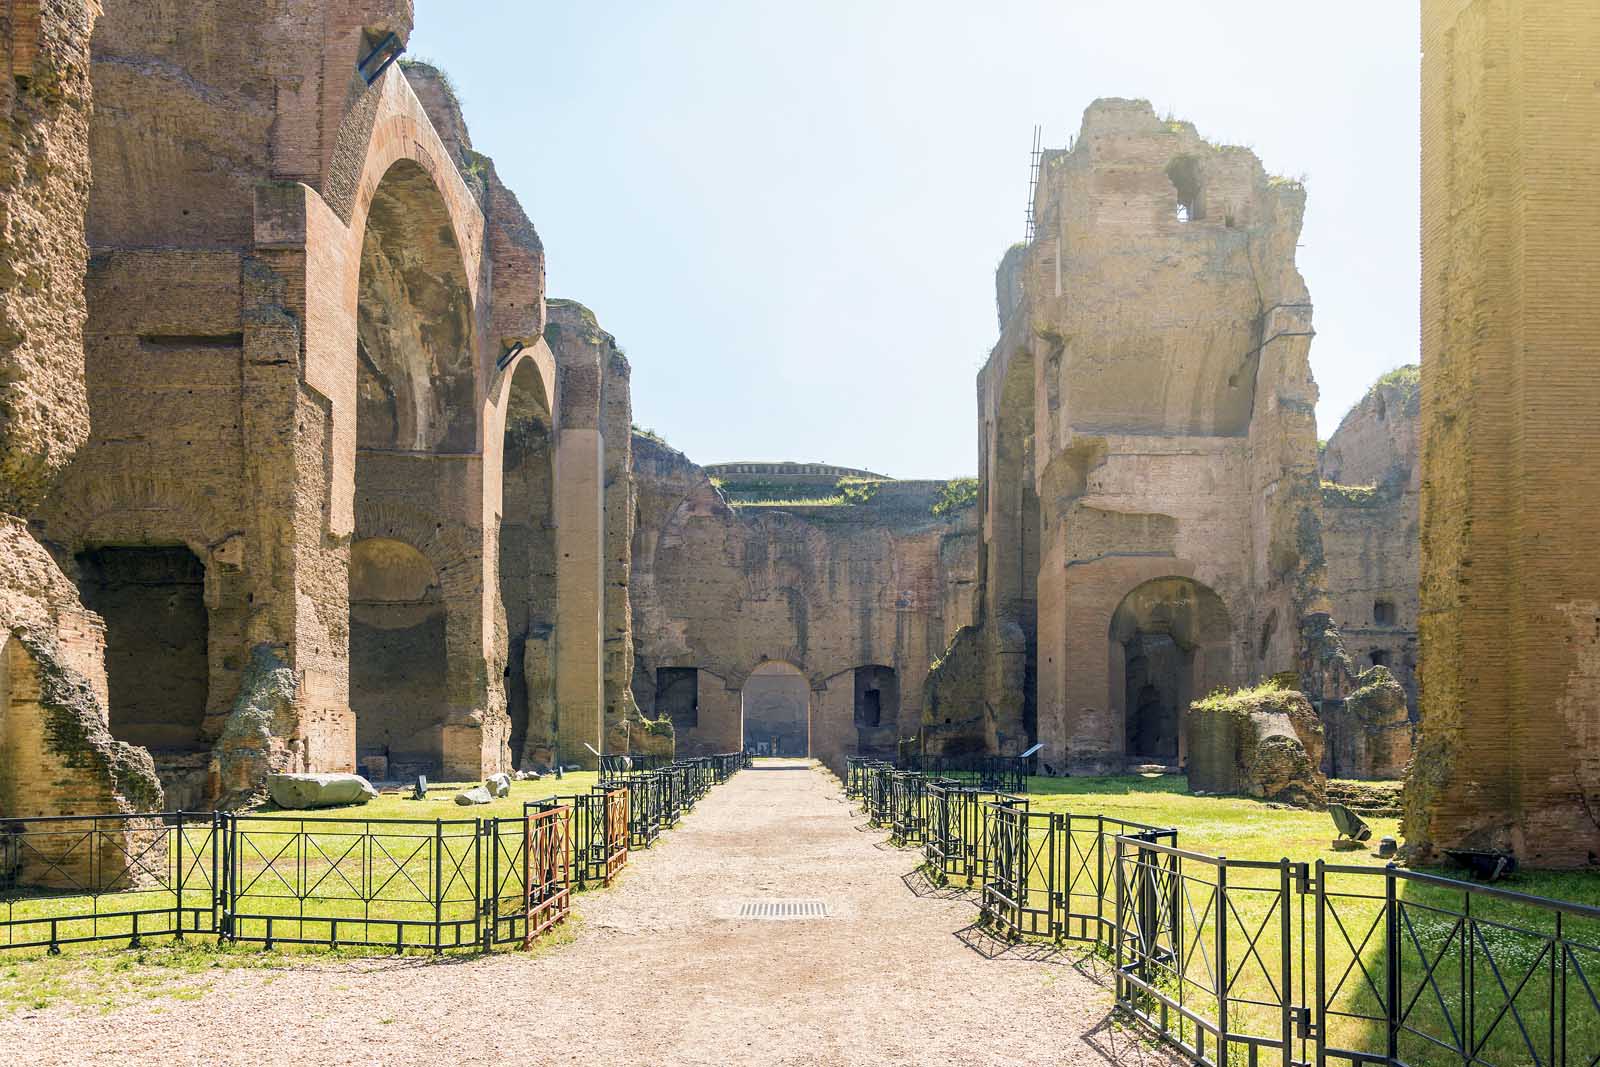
x=1510, y=597
x=580, y=591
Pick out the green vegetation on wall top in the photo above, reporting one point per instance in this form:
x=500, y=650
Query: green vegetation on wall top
x=956, y=494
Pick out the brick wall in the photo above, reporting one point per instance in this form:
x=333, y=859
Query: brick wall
x=1510, y=593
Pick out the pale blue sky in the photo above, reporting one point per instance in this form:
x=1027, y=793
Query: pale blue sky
x=789, y=214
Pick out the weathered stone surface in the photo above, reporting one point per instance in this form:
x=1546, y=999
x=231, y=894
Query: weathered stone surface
x=1370, y=732
x=856, y=594
x=637, y=736
x=301, y=791
x=1264, y=742
x=57, y=756
x=44, y=186
x=498, y=785
x=1371, y=476
x=258, y=739
x=476, y=795
x=307, y=294
x=1148, y=445
x=1510, y=644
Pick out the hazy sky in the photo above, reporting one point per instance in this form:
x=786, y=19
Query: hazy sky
x=789, y=214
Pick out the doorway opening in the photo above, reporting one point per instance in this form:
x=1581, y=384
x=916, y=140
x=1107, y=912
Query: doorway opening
x=776, y=706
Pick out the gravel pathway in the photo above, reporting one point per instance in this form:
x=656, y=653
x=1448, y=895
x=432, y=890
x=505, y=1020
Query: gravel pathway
x=660, y=973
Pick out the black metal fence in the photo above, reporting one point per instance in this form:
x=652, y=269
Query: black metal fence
x=1001, y=774
x=1248, y=962
x=340, y=882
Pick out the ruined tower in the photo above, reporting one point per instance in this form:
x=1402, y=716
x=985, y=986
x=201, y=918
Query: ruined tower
x=1510, y=591
x=1148, y=448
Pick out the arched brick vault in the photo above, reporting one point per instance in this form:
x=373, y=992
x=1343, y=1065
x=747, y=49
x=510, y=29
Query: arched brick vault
x=303, y=236
x=232, y=199
x=456, y=560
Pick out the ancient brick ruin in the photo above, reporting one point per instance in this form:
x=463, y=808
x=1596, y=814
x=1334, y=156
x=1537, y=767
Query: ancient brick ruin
x=1510, y=594
x=808, y=627
x=316, y=372
x=1147, y=448
x=301, y=470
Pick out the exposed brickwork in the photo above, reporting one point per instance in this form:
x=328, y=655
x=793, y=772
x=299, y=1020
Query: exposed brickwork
x=1146, y=415
x=1371, y=475
x=1510, y=614
x=824, y=589
x=304, y=304
x=56, y=754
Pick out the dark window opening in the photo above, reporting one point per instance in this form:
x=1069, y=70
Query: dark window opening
x=1383, y=612
x=678, y=696
x=877, y=709
x=157, y=672
x=1184, y=173
x=1379, y=657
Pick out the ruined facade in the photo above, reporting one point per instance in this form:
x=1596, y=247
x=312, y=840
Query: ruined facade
x=315, y=331
x=57, y=756
x=762, y=619
x=1147, y=450
x=1510, y=588
x=1371, y=476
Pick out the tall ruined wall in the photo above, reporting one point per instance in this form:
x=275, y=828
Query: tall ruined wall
x=1371, y=476
x=1148, y=444
x=56, y=753
x=1510, y=597
x=826, y=589
x=309, y=296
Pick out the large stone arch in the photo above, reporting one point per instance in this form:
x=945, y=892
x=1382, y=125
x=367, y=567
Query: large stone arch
x=1169, y=643
x=775, y=705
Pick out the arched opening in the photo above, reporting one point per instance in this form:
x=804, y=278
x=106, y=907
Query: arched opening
x=414, y=354
x=397, y=659
x=528, y=569
x=1170, y=644
x=414, y=406
x=776, y=706
x=877, y=710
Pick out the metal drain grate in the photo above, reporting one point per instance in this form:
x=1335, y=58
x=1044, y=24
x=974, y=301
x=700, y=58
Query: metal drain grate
x=783, y=909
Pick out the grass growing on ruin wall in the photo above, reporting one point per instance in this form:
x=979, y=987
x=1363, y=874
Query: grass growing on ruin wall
x=954, y=495
x=849, y=491
x=1360, y=496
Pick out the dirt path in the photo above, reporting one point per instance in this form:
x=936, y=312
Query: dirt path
x=660, y=973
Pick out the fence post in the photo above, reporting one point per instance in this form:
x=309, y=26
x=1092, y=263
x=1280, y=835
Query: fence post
x=1321, y=1035
x=1222, y=959
x=438, y=885
x=1285, y=933
x=177, y=884
x=1116, y=926
x=1391, y=938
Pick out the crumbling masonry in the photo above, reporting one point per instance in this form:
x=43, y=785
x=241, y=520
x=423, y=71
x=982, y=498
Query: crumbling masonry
x=1510, y=600
x=315, y=323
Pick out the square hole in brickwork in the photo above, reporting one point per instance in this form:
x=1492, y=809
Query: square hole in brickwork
x=781, y=908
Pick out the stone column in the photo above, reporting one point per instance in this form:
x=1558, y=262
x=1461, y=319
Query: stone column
x=1510, y=594
x=580, y=591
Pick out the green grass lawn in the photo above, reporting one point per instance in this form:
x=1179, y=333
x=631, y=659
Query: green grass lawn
x=364, y=867
x=440, y=801
x=1504, y=962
